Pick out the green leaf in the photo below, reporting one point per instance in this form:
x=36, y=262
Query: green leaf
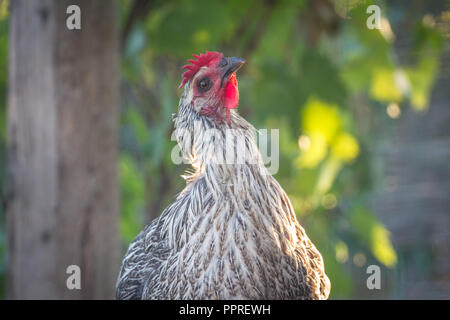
x=316, y=71
x=374, y=235
x=423, y=75
x=132, y=198
x=187, y=27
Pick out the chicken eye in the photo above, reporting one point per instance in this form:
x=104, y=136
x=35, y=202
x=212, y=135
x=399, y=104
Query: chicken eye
x=204, y=84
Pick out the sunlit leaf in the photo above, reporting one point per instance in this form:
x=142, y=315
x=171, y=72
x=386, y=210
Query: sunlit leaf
x=345, y=147
x=328, y=173
x=315, y=153
x=374, y=235
x=383, y=87
x=423, y=75
x=341, y=252
x=382, y=246
x=321, y=118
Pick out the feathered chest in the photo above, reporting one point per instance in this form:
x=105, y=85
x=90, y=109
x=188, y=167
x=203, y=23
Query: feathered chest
x=231, y=240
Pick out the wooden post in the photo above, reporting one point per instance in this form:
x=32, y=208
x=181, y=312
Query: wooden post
x=62, y=149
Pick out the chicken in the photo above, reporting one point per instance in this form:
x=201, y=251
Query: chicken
x=232, y=232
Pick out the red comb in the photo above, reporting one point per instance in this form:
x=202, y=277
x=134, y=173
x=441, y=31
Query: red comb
x=195, y=65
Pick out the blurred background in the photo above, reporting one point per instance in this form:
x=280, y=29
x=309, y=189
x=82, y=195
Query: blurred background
x=363, y=114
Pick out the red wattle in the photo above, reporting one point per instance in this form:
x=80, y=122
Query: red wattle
x=231, y=93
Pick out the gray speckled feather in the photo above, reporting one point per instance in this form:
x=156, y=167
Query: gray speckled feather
x=230, y=234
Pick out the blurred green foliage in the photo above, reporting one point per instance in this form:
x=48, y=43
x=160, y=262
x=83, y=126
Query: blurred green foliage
x=306, y=74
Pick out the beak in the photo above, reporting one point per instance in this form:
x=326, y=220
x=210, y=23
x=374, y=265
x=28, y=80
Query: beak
x=230, y=65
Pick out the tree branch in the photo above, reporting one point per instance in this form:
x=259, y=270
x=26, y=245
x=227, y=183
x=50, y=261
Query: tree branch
x=139, y=11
